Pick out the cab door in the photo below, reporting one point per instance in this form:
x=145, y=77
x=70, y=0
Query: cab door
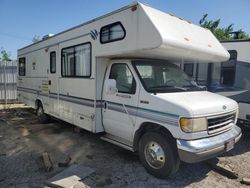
x=53, y=83
x=120, y=108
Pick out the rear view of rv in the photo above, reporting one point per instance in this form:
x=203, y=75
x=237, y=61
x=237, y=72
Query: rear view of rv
x=118, y=75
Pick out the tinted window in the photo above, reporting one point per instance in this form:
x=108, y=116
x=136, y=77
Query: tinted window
x=76, y=61
x=112, y=32
x=242, y=76
x=228, y=73
x=188, y=68
x=21, y=66
x=125, y=81
x=52, y=62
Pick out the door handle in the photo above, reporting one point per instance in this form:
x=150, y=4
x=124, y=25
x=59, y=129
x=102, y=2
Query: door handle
x=105, y=105
x=123, y=96
x=49, y=82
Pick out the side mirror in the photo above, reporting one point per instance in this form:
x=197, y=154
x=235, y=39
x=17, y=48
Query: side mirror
x=110, y=86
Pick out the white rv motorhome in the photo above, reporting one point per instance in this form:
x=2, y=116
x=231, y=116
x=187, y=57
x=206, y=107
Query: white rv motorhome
x=117, y=75
x=231, y=78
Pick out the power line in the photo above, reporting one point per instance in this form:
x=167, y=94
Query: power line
x=15, y=36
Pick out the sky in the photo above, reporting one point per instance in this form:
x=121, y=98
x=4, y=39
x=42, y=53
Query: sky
x=21, y=20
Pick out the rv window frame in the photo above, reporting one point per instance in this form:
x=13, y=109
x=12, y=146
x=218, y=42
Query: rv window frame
x=109, y=26
x=24, y=72
x=73, y=46
x=135, y=89
x=53, y=52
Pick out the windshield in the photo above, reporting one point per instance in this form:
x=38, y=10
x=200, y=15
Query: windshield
x=160, y=77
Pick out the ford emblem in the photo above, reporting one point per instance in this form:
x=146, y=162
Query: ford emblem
x=224, y=107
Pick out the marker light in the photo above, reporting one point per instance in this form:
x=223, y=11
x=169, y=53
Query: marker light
x=133, y=8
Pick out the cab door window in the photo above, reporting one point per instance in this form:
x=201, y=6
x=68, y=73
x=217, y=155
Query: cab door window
x=125, y=81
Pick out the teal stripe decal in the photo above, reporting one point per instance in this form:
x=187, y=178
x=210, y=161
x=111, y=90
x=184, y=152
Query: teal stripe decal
x=148, y=110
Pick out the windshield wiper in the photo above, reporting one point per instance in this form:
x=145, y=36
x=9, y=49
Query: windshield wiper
x=190, y=87
x=167, y=87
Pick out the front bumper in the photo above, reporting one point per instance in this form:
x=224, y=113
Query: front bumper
x=192, y=151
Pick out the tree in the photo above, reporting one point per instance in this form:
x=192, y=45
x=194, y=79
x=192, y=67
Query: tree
x=243, y=34
x=35, y=39
x=222, y=33
x=5, y=56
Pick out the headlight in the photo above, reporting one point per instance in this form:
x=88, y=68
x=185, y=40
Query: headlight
x=190, y=125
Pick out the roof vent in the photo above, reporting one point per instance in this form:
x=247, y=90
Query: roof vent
x=47, y=36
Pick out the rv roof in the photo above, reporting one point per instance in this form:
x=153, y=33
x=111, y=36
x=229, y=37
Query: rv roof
x=85, y=23
x=150, y=33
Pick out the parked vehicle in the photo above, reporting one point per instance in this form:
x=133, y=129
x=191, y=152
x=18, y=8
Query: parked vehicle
x=231, y=78
x=117, y=74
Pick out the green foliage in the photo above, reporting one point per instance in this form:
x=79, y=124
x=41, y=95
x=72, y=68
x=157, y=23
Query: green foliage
x=35, y=39
x=5, y=56
x=243, y=35
x=222, y=33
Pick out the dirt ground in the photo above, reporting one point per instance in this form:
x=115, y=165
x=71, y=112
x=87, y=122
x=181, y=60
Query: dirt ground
x=23, y=140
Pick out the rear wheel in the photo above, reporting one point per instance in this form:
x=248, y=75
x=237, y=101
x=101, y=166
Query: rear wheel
x=42, y=117
x=158, y=155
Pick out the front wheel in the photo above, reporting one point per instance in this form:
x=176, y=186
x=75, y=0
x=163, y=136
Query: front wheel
x=158, y=155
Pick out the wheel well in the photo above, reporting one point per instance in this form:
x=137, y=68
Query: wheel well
x=37, y=103
x=153, y=127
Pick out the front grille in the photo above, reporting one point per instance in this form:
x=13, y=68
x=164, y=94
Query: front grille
x=221, y=123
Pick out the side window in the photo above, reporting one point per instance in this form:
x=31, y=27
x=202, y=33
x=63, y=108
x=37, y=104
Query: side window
x=227, y=73
x=228, y=69
x=68, y=68
x=189, y=69
x=53, y=62
x=125, y=81
x=112, y=32
x=76, y=61
x=21, y=66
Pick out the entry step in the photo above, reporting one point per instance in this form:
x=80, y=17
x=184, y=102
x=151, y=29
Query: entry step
x=118, y=141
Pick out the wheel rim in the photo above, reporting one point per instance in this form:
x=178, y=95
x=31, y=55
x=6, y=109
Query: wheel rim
x=39, y=111
x=154, y=155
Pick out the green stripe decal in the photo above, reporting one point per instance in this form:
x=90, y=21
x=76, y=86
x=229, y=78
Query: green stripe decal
x=159, y=112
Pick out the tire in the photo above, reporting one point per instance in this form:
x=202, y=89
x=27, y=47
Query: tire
x=167, y=163
x=42, y=117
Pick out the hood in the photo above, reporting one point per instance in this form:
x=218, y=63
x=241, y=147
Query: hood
x=200, y=103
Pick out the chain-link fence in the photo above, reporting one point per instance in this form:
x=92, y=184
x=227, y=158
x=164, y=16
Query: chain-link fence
x=8, y=82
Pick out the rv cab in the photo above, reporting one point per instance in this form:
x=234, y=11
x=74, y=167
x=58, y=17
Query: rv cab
x=161, y=92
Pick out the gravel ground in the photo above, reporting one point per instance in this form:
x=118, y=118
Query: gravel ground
x=23, y=140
